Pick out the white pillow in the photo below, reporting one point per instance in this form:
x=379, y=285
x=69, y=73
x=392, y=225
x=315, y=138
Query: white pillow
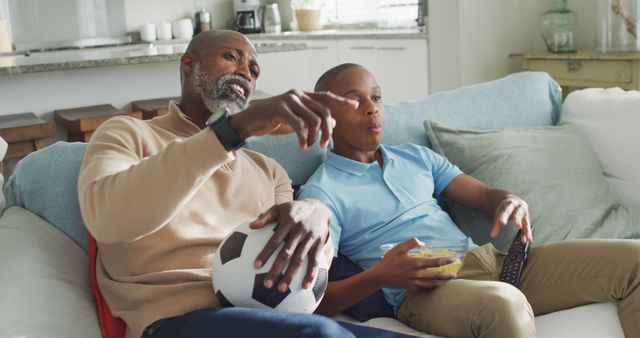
x=610, y=119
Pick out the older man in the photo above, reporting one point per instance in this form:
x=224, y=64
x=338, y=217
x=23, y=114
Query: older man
x=159, y=196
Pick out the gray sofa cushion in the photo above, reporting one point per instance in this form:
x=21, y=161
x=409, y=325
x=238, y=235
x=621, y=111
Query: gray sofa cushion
x=46, y=183
x=39, y=261
x=299, y=165
x=552, y=168
x=526, y=99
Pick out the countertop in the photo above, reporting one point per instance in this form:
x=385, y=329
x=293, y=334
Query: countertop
x=112, y=56
x=166, y=51
x=332, y=34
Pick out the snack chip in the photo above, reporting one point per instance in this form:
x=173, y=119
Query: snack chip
x=425, y=252
x=454, y=249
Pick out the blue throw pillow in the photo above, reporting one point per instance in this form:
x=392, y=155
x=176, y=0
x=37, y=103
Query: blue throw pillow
x=371, y=307
x=299, y=164
x=46, y=183
x=523, y=99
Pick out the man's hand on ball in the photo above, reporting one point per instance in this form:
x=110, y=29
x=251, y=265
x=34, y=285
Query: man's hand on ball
x=303, y=226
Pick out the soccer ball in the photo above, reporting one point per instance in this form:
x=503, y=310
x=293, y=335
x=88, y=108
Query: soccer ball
x=236, y=282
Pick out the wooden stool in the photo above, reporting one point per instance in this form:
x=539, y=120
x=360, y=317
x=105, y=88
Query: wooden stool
x=81, y=122
x=153, y=107
x=24, y=133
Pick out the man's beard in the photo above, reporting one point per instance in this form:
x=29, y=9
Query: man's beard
x=219, y=94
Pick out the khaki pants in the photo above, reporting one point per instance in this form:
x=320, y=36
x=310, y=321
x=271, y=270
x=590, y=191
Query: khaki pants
x=557, y=276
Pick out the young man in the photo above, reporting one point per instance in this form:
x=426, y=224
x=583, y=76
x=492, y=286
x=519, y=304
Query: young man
x=382, y=194
x=159, y=196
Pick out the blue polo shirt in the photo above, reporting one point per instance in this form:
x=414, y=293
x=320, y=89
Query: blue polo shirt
x=372, y=206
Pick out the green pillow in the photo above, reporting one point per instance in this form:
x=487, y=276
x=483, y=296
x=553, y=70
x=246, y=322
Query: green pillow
x=552, y=168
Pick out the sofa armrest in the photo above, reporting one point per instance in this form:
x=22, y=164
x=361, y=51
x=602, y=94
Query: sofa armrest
x=45, y=289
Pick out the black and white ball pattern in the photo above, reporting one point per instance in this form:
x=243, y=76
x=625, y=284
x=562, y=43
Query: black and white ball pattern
x=237, y=283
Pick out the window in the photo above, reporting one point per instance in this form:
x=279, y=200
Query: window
x=59, y=23
x=383, y=13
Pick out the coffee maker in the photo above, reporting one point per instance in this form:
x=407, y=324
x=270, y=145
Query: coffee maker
x=248, y=16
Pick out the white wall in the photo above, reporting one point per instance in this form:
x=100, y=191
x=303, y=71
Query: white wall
x=470, y=40
x=444, y=29
x=42, y=93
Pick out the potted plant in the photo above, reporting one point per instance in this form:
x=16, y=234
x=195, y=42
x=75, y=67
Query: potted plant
x=308, y=14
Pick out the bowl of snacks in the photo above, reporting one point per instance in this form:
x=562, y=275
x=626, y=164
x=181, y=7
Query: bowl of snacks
x=438, y=248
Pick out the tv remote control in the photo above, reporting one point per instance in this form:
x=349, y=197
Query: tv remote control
x=515, y=260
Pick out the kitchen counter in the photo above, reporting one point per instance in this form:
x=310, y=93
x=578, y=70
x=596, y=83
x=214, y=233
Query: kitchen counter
x=166, y=51
x=111, y=56
x=333, y=34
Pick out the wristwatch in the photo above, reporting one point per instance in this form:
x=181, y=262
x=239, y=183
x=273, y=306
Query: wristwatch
x=219, y=124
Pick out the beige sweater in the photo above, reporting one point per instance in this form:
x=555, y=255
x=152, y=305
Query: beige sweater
x=159, y=196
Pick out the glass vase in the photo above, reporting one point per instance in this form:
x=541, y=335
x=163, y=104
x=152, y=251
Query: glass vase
x=558, y=28
x=617, y=26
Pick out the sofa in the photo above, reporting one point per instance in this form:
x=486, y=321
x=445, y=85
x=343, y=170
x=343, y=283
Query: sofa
x=45, y=289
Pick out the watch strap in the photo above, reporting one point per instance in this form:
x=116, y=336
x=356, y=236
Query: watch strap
x=225, y=133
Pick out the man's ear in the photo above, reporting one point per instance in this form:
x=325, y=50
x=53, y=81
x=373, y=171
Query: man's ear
x=187, y=63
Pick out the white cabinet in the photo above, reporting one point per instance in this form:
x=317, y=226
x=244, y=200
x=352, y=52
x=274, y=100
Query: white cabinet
x=362, y=52
x=399, y=65
x=282, y=71
x=402, y=69
x=321, y=56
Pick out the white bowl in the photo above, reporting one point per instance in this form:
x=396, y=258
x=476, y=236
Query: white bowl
x=438, y=248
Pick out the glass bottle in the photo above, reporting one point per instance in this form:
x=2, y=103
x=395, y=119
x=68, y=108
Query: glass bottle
x=617, y=26
x=558, y=28
x=203, y=21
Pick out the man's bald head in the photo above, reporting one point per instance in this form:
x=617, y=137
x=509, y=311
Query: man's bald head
x=205, y=40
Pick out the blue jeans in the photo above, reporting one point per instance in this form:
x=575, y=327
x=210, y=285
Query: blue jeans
x=238, y=322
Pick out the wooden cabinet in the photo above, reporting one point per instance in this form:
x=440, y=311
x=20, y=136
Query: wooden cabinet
x=81, y=122
x=586, y=68
x=24, y=133
x=399, y=65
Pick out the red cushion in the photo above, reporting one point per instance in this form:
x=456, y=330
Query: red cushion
x=110, y=326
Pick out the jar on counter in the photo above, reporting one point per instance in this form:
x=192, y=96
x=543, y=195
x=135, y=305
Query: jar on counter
x=203, y=21
x=617, y=26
